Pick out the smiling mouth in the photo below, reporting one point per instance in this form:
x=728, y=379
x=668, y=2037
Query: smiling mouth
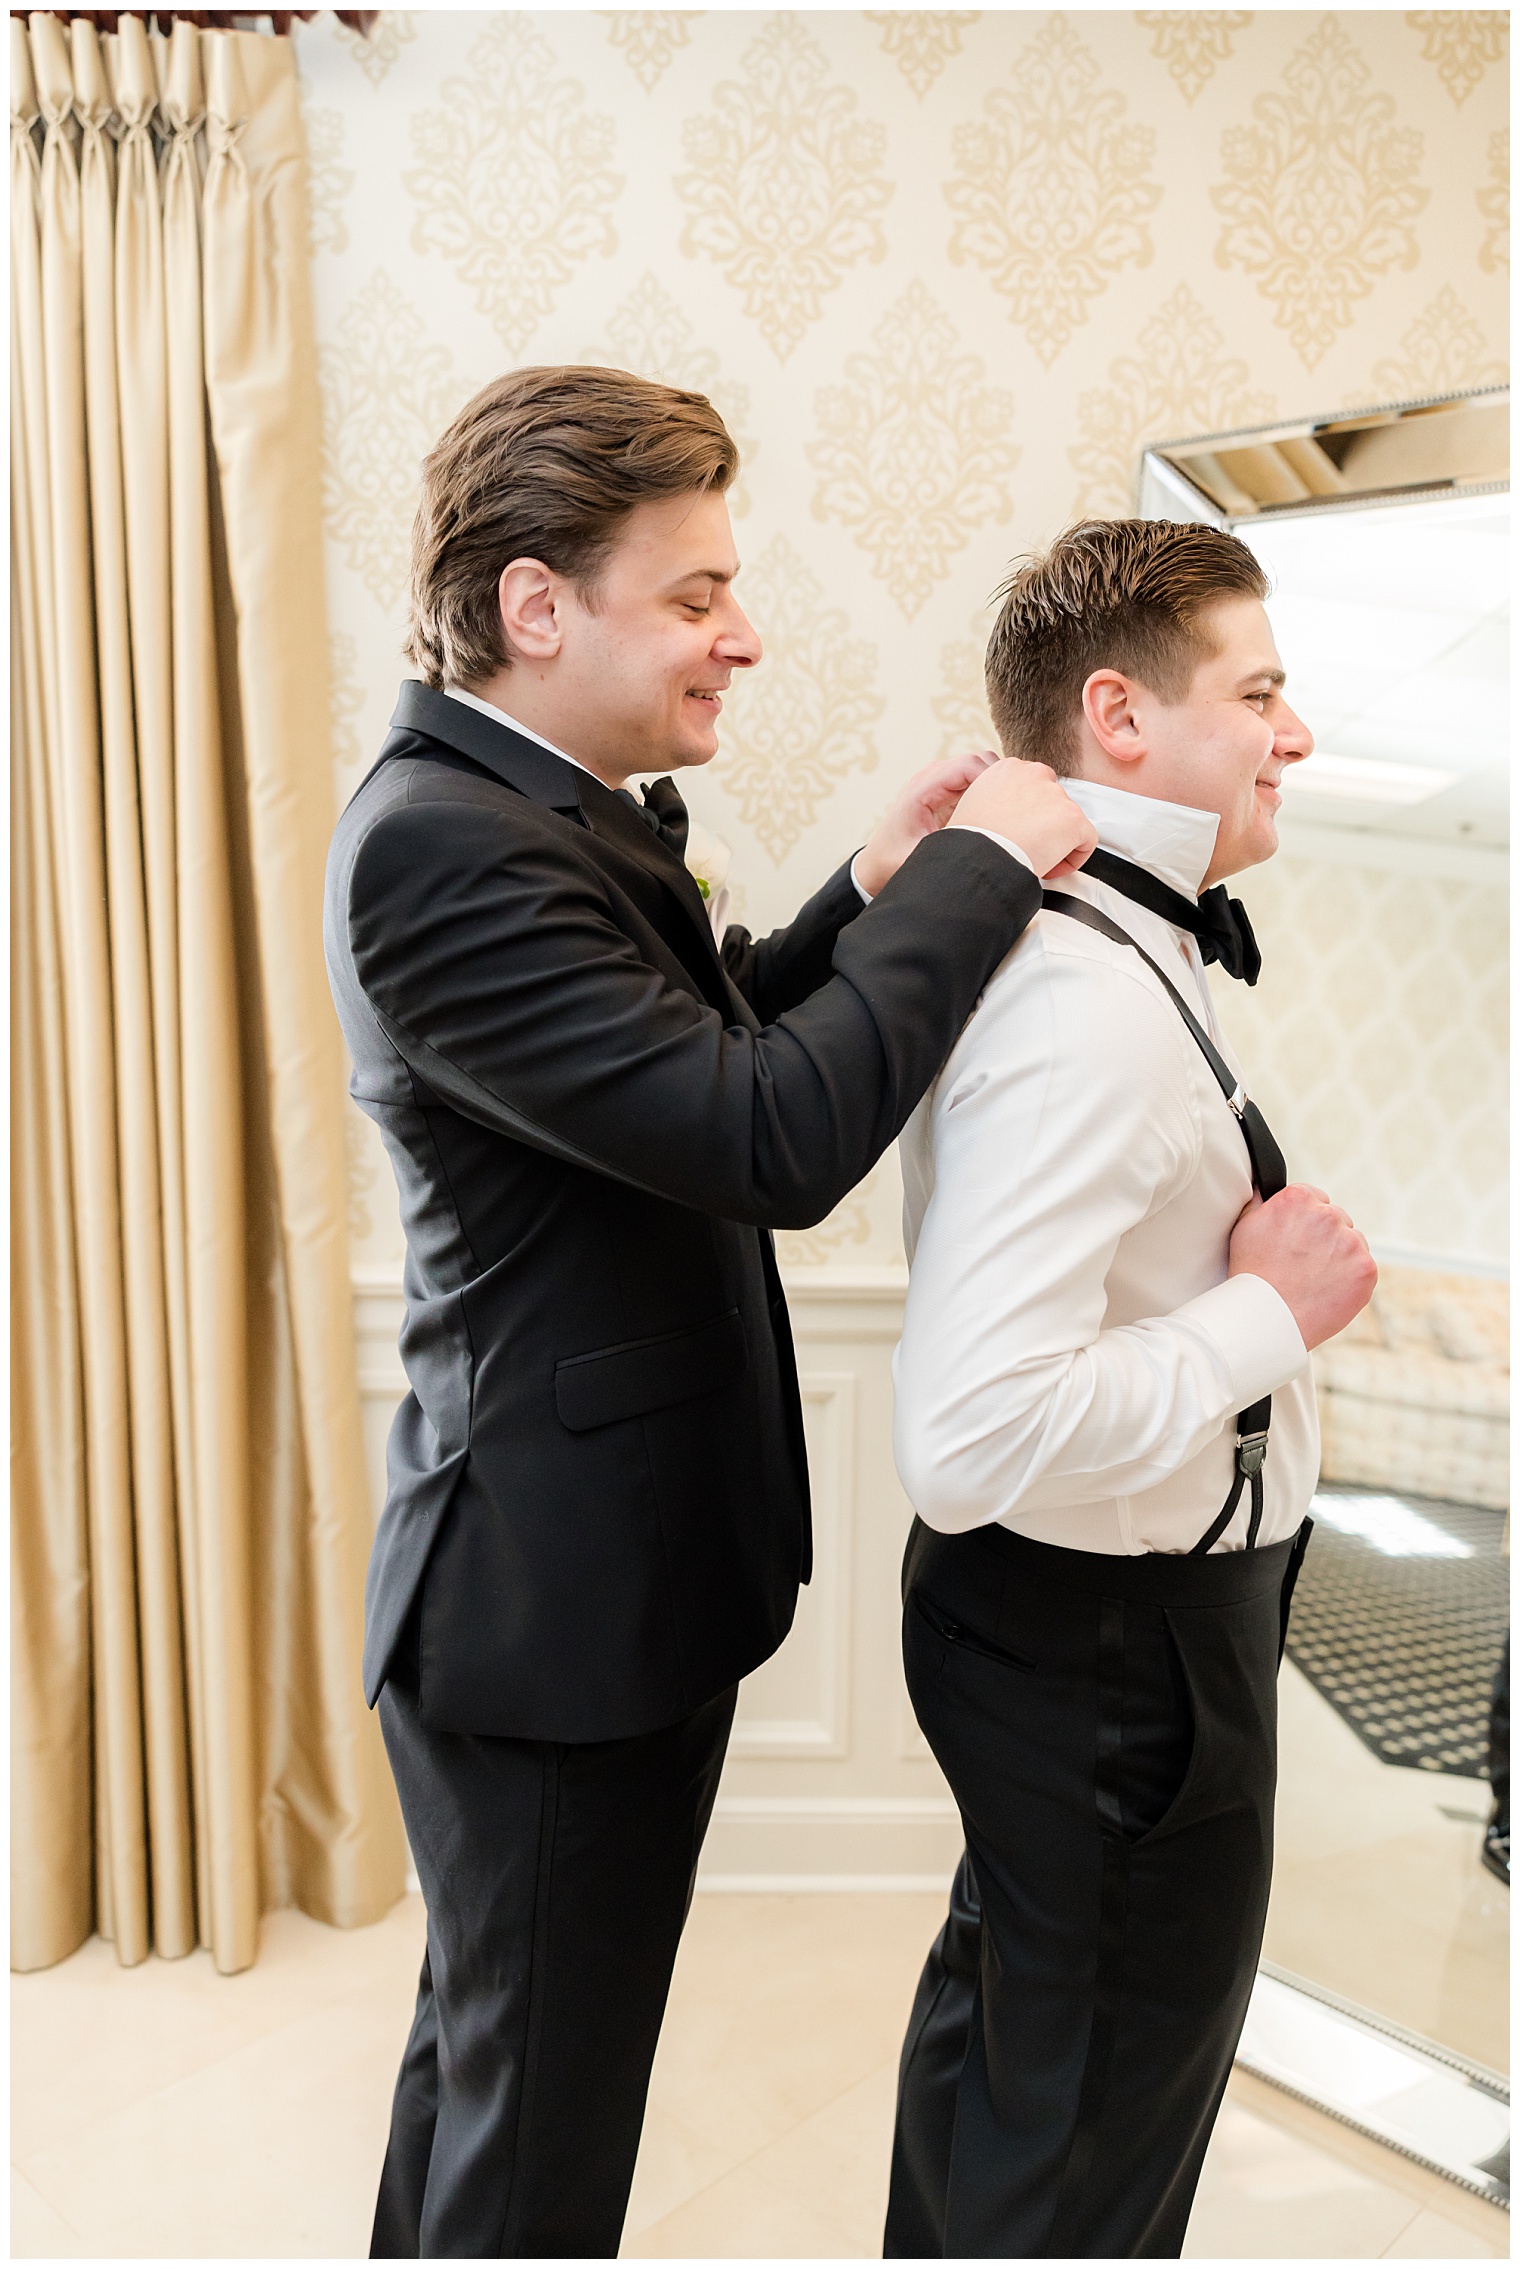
x=710, y=695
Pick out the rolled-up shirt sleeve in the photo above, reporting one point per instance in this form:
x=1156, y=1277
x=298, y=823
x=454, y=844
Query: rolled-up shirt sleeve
x=1052, y=1139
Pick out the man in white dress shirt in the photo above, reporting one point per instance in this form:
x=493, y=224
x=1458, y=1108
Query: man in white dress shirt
x=1106, y=1424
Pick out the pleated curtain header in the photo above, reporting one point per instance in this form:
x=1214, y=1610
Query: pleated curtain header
x=129, y=81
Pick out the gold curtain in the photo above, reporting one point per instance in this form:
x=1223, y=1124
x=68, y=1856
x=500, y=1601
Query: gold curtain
x=189, y=1517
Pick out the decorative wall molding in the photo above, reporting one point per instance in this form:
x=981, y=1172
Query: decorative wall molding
x=818, y=1647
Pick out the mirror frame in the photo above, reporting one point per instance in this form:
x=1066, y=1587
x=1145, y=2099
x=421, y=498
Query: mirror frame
x=1166, y=489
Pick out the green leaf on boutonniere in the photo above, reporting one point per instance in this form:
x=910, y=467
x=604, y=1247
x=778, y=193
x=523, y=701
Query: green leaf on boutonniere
x=702, y=886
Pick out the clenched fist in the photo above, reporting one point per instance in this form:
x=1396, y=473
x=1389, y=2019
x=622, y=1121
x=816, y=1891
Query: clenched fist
x=1311, y=1253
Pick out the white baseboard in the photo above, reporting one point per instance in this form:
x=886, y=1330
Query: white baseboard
x=776, y=1886
x=831, y=1843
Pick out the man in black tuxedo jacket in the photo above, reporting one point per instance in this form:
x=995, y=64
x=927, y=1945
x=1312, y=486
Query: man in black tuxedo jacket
x=597, y=1111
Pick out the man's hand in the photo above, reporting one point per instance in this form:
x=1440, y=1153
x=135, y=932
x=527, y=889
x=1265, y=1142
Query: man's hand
x=1025, y=802
x=1311, y=1253
x=922, y=809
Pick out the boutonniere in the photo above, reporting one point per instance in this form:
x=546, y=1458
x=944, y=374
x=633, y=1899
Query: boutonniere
x=707, y=859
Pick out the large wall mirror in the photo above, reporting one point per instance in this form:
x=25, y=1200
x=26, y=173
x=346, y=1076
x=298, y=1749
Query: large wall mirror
x=1378, y=1044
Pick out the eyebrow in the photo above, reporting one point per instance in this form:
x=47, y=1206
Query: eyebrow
x=1264, y=677
x=705, y=575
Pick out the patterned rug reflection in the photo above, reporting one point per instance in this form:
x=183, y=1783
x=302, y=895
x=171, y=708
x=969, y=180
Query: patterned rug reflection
x=1399, y=1619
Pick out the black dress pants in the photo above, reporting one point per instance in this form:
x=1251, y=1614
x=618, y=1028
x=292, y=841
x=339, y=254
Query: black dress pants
x=557, y=1879
x=1109, y=1729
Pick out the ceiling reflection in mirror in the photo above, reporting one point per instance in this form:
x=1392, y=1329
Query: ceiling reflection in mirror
x=1455, y=445
x=1385, y=535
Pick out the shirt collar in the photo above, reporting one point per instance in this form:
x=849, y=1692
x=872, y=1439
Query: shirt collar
x=489, y=709
x=1171, y=841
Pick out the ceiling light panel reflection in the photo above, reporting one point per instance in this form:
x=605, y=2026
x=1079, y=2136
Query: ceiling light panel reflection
x=1394, y=627
x=1361, y=779
x=1389, y=1525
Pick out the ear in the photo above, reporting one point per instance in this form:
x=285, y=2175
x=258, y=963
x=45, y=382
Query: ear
x=1109, y=706
x=527, y=594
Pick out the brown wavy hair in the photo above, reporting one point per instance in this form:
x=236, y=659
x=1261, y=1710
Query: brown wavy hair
x=543, y=464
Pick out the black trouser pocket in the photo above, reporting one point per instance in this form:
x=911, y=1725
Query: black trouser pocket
x=970, y=1642
x=1157, y=1734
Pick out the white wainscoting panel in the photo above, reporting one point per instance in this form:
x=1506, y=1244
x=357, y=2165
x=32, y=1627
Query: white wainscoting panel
x=829, y=1785
x=798, y=1703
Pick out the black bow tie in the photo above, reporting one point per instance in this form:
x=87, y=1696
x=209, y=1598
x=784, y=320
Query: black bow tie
x=1219, y=923
x=663, y=812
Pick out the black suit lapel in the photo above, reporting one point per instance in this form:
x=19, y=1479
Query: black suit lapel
x=536, y=772
x=683, y=922
x=611, y=819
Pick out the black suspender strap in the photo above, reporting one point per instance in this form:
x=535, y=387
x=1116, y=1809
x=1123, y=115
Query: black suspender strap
x=1270, y=1174
x=1268, y=1167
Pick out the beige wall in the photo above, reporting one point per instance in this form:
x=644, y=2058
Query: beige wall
x=1376, y=1037
x=1028, y=243
x=939, y=379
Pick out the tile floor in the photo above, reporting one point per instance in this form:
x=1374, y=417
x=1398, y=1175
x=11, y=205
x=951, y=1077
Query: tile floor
x=166, y=2112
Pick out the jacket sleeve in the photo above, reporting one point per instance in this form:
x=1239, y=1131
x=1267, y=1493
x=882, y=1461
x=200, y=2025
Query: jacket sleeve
x=778, y=972
x=491, y=956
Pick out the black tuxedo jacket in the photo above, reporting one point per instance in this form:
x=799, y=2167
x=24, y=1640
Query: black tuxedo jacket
x=597, y=1513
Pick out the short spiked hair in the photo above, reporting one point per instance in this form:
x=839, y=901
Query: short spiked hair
x=1123, y=595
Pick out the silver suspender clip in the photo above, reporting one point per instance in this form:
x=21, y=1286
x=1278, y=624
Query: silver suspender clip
x=1250, y=1453
x=1238, y=1102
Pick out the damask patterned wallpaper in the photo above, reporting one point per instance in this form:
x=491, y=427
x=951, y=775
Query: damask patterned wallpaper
x=944, y=274
x=1376, y=1039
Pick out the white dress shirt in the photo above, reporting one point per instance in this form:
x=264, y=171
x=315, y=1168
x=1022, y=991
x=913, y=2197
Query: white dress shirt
x=1074, y=1351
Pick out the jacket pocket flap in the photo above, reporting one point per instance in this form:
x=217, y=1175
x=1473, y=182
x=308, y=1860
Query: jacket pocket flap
x=649, y=1374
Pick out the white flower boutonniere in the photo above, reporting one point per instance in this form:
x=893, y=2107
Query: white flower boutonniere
x=707, y=859
x=707, y=862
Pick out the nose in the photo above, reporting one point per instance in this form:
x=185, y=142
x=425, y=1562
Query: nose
x=1292, y=740
x=738, y=641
